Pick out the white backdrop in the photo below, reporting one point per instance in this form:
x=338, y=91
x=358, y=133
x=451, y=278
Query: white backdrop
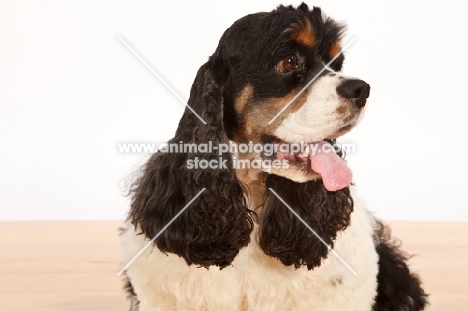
x=70, y=91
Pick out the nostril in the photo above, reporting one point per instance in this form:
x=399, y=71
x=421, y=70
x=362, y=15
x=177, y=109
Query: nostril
x=354, y=89
x=358, y=93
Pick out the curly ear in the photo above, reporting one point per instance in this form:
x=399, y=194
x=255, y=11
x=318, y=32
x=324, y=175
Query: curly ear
x=284, y=236
x=217, y=223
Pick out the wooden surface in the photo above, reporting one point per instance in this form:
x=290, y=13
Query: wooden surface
x=73, y=266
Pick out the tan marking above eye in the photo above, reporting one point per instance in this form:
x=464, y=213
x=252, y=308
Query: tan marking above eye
x=334, y=49
x=305, y=35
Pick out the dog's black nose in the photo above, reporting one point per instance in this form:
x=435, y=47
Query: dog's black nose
x=357, y=90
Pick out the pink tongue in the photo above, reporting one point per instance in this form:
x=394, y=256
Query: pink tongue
x=335, y=173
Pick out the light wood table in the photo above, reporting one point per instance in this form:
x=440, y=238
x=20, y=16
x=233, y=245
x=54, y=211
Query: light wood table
x=72, y=266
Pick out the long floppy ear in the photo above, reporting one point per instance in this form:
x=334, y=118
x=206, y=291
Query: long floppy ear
x=284, y=236
x=217, y=223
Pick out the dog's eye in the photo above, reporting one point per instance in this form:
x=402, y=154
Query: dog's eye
x=289, y=63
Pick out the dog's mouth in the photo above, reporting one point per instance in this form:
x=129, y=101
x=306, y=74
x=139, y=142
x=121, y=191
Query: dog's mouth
x=320, y=157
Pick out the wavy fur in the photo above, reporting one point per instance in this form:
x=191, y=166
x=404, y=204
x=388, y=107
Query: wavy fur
x=284, y=236
x=217, y=224
x=398, y=288
x=284, y=266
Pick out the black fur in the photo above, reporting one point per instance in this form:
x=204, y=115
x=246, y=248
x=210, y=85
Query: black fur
x=284, y=236
x=131, y=295
x=398, y=288
x=213, y=229
x=254, y=44
x=217, y=224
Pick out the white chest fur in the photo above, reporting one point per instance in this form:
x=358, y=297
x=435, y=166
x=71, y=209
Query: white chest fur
x=256, y=282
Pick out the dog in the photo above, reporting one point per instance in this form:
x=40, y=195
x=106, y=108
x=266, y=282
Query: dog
x=257, y=228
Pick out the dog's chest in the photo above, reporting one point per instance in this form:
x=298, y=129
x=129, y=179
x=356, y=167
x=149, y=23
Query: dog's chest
x=255, y=281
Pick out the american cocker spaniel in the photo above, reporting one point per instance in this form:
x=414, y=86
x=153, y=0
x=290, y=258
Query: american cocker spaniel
x=250, y=206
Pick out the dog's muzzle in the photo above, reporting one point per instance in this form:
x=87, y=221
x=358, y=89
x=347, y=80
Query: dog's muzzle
x=355, y=90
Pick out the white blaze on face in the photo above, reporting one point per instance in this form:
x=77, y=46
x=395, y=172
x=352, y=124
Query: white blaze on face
x=318, y=119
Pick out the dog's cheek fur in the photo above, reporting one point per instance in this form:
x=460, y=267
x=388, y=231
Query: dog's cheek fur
x=217, y=224
x=284, y=236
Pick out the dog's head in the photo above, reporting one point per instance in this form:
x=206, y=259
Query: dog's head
x=274, y=79
x=282, y=84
